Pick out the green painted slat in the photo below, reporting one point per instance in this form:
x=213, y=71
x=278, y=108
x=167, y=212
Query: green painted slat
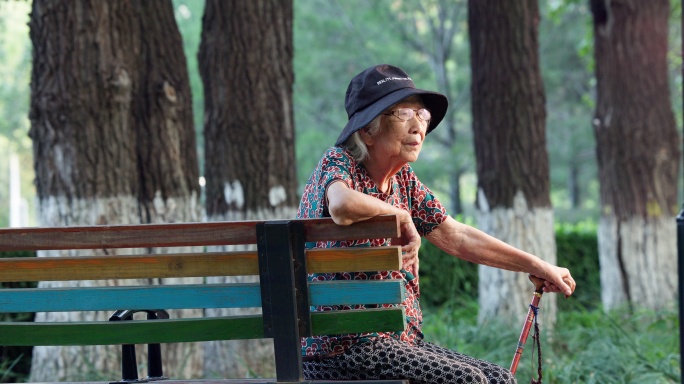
x=357, y=321
x=356, y=292
x=131, y=332
x=186, y=330
x=139, y=297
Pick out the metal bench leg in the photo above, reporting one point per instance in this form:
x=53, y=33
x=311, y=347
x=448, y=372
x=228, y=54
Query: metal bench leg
x=155, y=371
x=129, y=364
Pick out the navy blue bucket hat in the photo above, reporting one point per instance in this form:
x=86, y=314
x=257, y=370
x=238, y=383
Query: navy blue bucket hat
x=379, y=87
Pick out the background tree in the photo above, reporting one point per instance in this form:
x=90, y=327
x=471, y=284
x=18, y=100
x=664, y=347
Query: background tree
x=245, y=57
x=510, y=147
x=565, y=42
x=638, y=153
x=112, y=137
x=432, y=31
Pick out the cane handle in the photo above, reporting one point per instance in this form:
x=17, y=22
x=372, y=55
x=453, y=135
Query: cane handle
x=538, y=283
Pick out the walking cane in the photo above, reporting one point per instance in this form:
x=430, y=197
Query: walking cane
x=531, y=315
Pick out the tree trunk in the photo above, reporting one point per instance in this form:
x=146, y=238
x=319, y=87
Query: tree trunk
x=246, y=67
x=168, y=169
x=512, y=163
x=638, y=154
x=93, y=125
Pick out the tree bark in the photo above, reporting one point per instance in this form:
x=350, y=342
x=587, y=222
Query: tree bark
x=509, y=118
x=107, y=150
x=246, y=67
x=638, y=154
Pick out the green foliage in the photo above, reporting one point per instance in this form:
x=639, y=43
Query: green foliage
x=189, y=19
x=444, y=278
x=588, y=341
x=569, y=87
x=585, y=347
x=11, y=370
x=577, y=249
x=15, y=70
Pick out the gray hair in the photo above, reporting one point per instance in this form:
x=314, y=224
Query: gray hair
x=355, y=144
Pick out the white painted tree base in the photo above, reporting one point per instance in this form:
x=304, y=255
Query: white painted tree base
x=638, y=259
x=50, y=364
x=506, y=295
x=241, y=358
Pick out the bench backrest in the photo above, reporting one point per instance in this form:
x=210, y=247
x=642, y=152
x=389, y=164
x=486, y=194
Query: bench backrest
x=280, y=260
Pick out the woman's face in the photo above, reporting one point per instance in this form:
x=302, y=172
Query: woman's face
x=398, y=141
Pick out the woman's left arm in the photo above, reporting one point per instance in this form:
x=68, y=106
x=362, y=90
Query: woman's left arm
x=471, y=244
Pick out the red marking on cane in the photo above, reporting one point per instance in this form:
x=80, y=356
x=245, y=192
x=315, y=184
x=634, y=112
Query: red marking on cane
x=531, y=314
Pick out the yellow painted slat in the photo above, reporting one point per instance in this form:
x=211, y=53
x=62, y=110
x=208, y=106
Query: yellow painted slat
x=323, y=260
x=129, y=266
x=188, y=264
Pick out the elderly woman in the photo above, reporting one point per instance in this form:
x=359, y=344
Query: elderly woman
x=367, y=174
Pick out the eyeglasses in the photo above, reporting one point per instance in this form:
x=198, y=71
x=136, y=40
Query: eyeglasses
x=406, y=114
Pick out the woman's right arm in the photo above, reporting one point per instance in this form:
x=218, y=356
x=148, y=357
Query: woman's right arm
x=347, y=206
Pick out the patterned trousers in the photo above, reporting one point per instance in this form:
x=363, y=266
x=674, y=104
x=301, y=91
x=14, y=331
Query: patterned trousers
x=387, y=358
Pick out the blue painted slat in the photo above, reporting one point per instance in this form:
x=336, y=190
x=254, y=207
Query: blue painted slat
x=356, y=292
x=190, y=296
x=113, y=298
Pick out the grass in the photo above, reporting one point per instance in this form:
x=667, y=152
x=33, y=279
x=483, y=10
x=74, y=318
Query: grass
x=586, y=346
x=7, y=373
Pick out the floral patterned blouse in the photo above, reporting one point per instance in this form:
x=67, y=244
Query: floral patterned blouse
x=407, y=192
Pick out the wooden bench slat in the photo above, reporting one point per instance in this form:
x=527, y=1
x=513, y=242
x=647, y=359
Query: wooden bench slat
x=325, y=260
x=236, y=295
x=188, y=330
x=358, y=321
x=128, y=266
x=386, y=226
x=131, y=332
x=181, y=234
x=339, y=292
x=188, y=264
x=128, y=236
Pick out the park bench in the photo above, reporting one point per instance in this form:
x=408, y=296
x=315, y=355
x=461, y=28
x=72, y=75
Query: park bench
x=283, y=292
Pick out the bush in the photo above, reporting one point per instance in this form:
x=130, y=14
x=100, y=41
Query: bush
x=577, y=249
x=445, y=278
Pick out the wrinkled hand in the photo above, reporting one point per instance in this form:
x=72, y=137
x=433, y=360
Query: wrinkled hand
x=409, y=241
x=559, y=280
